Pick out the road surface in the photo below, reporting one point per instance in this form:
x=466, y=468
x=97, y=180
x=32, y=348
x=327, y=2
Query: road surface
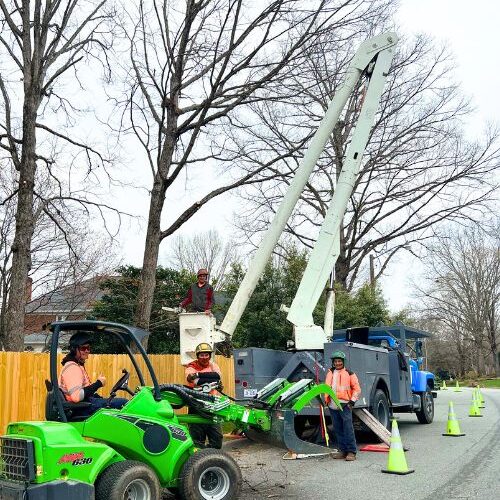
x=465, y=467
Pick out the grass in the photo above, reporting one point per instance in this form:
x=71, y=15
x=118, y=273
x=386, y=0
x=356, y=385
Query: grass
x=491, y=383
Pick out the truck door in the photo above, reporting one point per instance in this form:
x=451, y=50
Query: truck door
x=400, y=377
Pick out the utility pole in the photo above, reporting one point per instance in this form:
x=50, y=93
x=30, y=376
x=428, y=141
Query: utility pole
x=372, y=271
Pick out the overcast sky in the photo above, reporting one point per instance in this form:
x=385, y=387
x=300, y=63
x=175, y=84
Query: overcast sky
x=470, y=29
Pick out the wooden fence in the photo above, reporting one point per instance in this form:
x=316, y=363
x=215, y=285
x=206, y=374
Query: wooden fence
x=23, y=374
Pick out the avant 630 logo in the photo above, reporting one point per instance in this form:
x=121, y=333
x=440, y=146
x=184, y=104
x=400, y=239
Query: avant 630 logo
x=77, y=458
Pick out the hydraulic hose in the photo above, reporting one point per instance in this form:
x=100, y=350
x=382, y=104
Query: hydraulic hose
x=189, y=396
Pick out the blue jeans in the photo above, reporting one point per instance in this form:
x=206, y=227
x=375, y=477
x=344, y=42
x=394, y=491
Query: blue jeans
x=99, y=402
x=343, y=429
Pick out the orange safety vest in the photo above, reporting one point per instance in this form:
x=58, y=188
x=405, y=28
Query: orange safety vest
x=194, y=367
x=72, y=379
x=347, y=389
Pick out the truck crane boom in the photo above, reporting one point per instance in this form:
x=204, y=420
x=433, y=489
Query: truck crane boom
x=372, y=59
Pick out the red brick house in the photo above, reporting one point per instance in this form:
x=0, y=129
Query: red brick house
x=73, y=301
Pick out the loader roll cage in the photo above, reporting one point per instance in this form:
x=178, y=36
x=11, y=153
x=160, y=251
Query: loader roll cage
x=129, y=336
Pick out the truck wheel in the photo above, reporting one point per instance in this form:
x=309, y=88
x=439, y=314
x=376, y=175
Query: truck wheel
x=210, y=475
x=426, y=413
x=380, y=408
x=127, y=480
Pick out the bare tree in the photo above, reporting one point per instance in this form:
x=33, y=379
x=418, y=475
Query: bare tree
x=41, y=42
x=62, y=255
x=195, y=64
x=7, y=224
x=419, y=170
x=463, y=275
x=205, y=250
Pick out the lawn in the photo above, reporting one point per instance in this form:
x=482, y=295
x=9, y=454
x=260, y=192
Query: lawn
x=491, y=383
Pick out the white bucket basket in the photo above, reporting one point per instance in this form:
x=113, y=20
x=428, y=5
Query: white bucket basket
x=196, y=328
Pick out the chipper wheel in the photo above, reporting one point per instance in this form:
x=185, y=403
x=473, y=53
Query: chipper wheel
x=127, y=480
x=210, y=475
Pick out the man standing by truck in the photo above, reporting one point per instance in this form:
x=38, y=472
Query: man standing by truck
x=346, y=387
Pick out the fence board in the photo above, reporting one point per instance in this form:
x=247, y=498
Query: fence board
x=23, y=374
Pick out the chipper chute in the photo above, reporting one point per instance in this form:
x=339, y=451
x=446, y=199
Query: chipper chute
x=285, y=401
x=269, y=417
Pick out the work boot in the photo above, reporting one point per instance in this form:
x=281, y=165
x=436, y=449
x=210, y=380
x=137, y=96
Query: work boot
x=339, y=455
x=350, y=457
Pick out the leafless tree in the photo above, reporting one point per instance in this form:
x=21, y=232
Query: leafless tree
x=204, y=250
x=7, y=223
x=419, y=169
x=463, y=291
x=195, y=64
x=62, y=255
x=42, y=43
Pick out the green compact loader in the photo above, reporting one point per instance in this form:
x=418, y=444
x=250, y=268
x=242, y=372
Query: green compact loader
x=134, y=452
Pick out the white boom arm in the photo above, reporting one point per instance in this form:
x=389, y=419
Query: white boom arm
x=378, y=48
x=327, y=247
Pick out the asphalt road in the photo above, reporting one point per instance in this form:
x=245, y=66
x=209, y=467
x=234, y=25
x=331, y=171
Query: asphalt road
x=445, y=467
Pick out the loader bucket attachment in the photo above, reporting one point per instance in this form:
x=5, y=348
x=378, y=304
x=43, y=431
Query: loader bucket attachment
x=287, y=400
x=282, y=434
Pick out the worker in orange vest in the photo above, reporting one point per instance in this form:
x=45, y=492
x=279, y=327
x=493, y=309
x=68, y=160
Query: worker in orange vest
x=74, y=380
x=346, y=387
x=199, y=372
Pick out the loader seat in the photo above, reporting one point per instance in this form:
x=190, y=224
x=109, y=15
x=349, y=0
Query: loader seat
x=51, y=410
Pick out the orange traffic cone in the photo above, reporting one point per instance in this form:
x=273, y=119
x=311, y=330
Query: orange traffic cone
x=452, y=427
x=396, y=462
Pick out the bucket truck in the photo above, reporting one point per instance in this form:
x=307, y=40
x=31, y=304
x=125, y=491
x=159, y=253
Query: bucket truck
x=386, y=372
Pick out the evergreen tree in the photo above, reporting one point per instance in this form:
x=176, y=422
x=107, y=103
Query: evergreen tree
x=264, y=325
x=119, y=303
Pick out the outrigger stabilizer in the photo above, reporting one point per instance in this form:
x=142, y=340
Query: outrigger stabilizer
x=269, y=417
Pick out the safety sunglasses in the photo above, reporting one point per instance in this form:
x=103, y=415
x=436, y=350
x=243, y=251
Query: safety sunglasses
x=84, y=348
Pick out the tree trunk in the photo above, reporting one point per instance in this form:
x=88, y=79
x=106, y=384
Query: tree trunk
x=151, y=250
x=21, y=247
x=496, y=363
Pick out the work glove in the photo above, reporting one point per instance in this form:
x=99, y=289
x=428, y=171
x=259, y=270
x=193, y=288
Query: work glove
x=179, y=310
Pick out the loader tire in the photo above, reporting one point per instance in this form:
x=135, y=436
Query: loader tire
x=127, y=479
x=426, y=413
x=210, y=474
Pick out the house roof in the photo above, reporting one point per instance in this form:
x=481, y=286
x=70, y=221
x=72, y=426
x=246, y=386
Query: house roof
x=36, y=338
x=74, y=298
x=44, y=338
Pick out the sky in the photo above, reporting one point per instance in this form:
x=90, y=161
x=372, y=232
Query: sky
x=468, y=30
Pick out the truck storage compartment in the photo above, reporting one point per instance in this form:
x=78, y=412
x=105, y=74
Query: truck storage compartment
x=370, y=364
x=255, y=367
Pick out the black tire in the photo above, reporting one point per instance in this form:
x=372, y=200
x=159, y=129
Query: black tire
x=129, y=476
x=426, y=413
x=380, y=408
x=210, y=474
